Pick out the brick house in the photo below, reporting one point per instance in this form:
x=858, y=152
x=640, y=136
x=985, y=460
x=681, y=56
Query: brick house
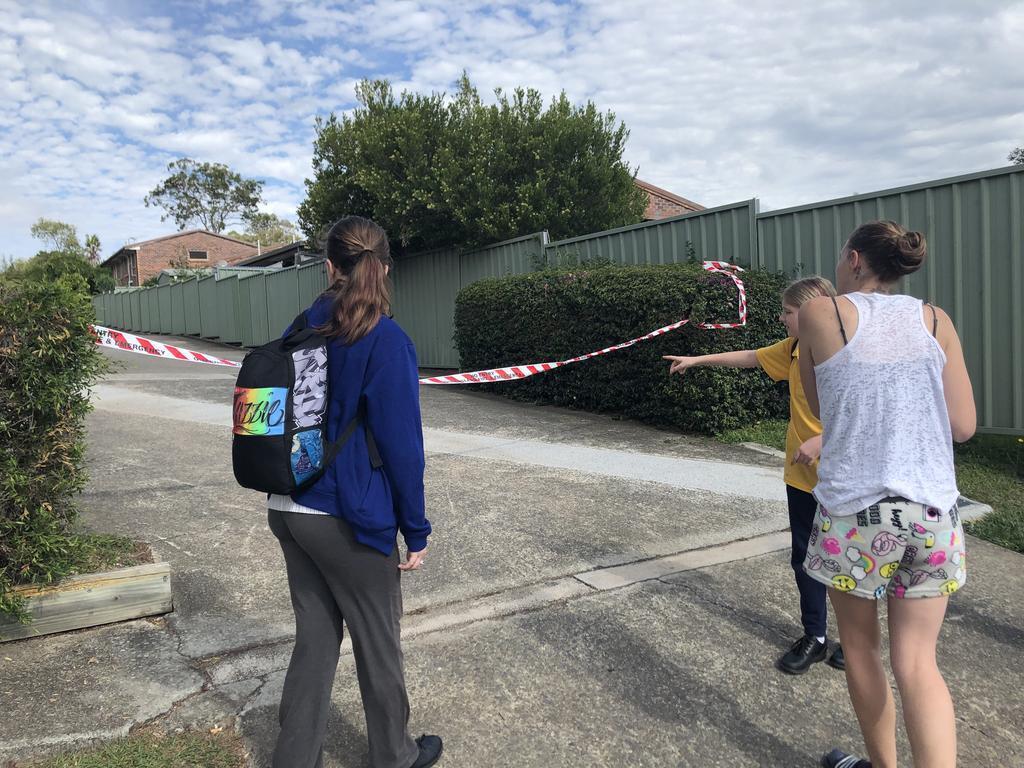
x=135, y=263
x=661, y=204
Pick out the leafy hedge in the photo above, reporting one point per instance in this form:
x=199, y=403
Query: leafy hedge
x=560, y=313
x=48, y=360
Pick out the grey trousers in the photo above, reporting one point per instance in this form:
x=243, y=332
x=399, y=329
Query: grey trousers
x=332, y=577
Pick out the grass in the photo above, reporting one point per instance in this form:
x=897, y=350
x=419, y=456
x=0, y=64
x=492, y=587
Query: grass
x=989, y=468
x=94, y=552
x=154, y=750
x=771, y=433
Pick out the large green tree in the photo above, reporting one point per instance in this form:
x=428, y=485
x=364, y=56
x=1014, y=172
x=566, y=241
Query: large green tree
x=208, y=194
x=436, y=170
x=1016, y=156
x=62, y=254
x=267, y=229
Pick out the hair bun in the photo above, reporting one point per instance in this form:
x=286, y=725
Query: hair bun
x=911, y=249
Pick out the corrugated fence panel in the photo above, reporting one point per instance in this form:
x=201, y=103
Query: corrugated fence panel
x=312, y=282
x=974, y=225
x=164, y=300
x=252, y=295
x=230, y=319
x=144, y=311
x=425, y=289
x=726, y=233
x=282, y=299
x=135, y=310
x=193, y=309
x=511, y=257
x=209, y=315
x=178, y=309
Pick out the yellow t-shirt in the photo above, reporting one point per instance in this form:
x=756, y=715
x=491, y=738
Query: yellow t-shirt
x=782, y=361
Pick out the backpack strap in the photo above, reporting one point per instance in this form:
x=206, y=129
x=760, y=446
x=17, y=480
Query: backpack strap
x=371, y=444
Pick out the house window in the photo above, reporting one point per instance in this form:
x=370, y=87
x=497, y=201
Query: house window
x=198, y=255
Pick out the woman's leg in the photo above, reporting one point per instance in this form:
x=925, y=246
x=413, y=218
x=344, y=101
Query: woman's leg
x=367, y=586
x=914, y=626
x=306, y=700
x=865, y=676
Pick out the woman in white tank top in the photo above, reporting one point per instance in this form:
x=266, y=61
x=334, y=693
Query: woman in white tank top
x=886, y=375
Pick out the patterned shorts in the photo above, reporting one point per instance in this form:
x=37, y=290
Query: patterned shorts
x=895, y=547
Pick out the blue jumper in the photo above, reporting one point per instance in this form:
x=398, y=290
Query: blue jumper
x=381, y=369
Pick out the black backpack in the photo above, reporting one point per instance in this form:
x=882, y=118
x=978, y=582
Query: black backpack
x=280, y=415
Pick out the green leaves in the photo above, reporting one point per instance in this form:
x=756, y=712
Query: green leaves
x=559, y=313
x=440, y=171
x=210, y=194
x=48, y=360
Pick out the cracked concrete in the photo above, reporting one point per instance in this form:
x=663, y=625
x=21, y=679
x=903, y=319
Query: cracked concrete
x=568, y=617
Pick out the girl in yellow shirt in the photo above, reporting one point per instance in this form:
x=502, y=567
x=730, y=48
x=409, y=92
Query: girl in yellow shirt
x=781, y=361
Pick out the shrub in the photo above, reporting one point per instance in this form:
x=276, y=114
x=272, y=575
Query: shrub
x=560, y=313
x=48, y=360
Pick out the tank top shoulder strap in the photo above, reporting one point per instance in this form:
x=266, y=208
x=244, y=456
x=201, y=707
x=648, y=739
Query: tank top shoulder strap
x=842, y=328
x=935, y=319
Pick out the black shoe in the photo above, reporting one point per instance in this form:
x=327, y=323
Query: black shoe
x=839, y=759
x=805, y=651
x=431, y=748
x=837, y=659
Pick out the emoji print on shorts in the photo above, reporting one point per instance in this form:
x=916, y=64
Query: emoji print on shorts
x=843, y=583
x=887, y=570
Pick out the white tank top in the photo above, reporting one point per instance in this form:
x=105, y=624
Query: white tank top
x=883, y=412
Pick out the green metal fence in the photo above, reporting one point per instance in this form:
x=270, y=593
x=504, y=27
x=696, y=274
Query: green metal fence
x=975, y=270
x=974, y=225
x=727, y=233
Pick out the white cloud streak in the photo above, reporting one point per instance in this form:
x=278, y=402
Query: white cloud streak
x=725, y=101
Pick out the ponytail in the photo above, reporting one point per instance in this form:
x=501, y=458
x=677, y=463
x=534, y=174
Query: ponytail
x=359, y=251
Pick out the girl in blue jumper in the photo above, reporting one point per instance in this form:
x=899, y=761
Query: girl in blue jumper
x=339, y=536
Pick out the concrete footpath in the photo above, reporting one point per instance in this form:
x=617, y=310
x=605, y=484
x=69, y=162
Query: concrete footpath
x=598, y=593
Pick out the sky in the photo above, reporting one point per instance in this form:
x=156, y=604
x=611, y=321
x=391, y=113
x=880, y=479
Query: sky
x=789, y=102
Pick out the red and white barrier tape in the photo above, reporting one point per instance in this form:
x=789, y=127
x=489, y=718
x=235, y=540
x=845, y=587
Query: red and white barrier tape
x=515, y=372
x=108, y=337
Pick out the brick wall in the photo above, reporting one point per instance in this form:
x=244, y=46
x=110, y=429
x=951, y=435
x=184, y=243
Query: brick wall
x=660, y=208
x=157, y=255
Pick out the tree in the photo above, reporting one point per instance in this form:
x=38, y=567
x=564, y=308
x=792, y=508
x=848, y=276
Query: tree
x=58, y=235
x=1016, y=156
x=267, y=229
x=63, y=254
x=92, y=248
x=437, y=170
x=210, y=194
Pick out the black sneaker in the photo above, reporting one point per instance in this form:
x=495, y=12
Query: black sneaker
x=431, y=748
x=837, y=659
x=805, y=651
x=839, y=759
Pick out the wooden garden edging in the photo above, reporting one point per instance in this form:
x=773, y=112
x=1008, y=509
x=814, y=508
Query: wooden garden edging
x=93, y=599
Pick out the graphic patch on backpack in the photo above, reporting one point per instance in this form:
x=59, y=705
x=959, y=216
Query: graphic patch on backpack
x=309, y=394
x=307, y=454
x=259, y=411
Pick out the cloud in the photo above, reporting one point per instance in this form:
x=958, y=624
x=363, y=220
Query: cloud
x=724, y=101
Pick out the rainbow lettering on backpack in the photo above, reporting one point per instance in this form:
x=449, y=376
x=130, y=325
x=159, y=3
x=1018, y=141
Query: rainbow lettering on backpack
x=259, y=411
